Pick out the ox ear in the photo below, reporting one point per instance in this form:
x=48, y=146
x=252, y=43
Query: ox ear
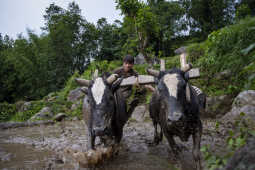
x=83, y=82
x=152, y=72
x=84, y=90
x=188, y=93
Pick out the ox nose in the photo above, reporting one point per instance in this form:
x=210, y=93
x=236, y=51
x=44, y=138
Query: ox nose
x=175, y=116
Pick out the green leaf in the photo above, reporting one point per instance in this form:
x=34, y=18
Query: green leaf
x=252, y=132
x=248, y=49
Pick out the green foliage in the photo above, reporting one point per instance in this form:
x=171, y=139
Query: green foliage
x=207, y=16
x=243, y=129
x=6, y=111
x=242, y=11
x=35, y=107
x=70, y=85
x=226, y=49
x=77, y=112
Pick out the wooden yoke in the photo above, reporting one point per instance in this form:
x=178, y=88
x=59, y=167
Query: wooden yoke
x=143, y=79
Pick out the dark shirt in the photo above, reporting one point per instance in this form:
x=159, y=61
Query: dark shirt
x=120, y=71
x=127, y=90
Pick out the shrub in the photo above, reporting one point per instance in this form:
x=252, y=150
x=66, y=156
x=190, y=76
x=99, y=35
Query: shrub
x=6, y=111
x=35, y=107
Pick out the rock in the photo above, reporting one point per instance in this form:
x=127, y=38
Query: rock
x=75, y=105
x=245, y=98
x=8, y=125
x=45, y=113
x=59, y=117
x=139, y=113
x=217, y=106
x=140, y=59
x=243, y=158
x=75, y=95
x=23, y=106
x=243, y=103
x=180, y=50
x=224, y=74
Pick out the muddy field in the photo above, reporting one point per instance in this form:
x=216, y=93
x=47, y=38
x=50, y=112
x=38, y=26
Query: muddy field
x=42, y=147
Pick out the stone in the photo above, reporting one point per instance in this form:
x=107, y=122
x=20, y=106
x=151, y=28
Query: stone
x=224, y=74
x=180, y=50
x=45, y=113
x=75, y=95
x=243, y=158
x=217, y=106
x=139, y=113
x=59, y=116
x=23, y=106
x=245, y=98
x=140, y=59
x=243, y=103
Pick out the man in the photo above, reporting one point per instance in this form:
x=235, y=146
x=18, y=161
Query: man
x=131, y=94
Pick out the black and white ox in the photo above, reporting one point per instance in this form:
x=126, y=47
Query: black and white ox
x=100, y=110
x=175, y=107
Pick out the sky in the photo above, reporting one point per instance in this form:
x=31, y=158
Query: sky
x=18, y=15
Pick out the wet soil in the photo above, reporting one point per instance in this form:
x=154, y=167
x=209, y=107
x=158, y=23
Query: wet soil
x=42, y=147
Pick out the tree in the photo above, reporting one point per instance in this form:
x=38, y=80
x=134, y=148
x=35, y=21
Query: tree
x=170, y=16
x=139, y=22
x=108, y=40
x=65, y=29
x=205, y=16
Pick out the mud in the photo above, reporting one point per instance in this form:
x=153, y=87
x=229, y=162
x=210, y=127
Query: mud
x=42, y=147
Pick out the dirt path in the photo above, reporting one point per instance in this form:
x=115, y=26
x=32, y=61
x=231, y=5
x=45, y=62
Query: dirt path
x=43, y=146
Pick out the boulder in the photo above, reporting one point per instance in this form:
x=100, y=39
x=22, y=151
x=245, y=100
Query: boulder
x=141, y=113
x=23, y=106
x=75, y=105
x=224, y=74
x=59, y=116
x=140, y=59
x=180, y=50
x=217, y=106
x=45, y=113
x=243, y=158
x=75, y=95
x=243, y=103
x=245, y=98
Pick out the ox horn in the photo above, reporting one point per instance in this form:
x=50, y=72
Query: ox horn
x=152, y=72
x=187, y=67
x=183, y=60
x=83, y=82
x=95, y=75
x=112, y=78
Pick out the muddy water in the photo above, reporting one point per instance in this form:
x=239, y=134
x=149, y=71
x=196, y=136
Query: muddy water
x=42, y=147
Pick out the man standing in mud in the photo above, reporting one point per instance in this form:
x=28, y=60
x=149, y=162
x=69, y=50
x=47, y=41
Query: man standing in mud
x=131, y=94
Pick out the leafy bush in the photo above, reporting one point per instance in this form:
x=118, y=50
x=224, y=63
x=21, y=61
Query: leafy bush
x=6, y=111
x=35, y=107
x=237, y=137
x=230, y=48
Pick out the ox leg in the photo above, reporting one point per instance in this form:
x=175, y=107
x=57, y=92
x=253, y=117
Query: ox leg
x=161, y=134
x=175, y=148
x=91, y=140
x=196, y=146
x=158, y=136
